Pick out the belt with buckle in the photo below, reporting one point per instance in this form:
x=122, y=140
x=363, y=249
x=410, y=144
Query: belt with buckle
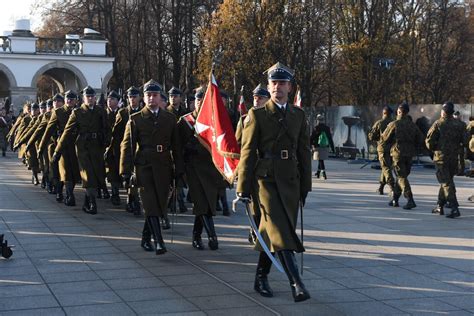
x=157, y=148
x=284, y=154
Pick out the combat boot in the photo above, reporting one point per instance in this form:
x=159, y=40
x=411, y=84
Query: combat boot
x=129, y=206
x=197, y=232
x=410, y=204
x=261, y=284
x=208, y=223
x=317, y=174
x=86, y=205
x=115, y=199
x=59, y=192
x=154, y=224
x=454, y=212
x=146, y=238
x=323, y=174
x=70, y=199
x=93, y=206
x=439, y=209
x=394, y=201
x=380, y=189
x=287, y=258
x=35, y=179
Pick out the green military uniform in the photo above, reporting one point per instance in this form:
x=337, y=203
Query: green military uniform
x=402, y=137
x=113, y=157
x=275, y=151
x=30, y=152
x=177, y=112
x=43, y=157
x=444, y=139
x=118, y=130
x=14, y=129
x=375, y=133
x=25, y=121
x=91, y=128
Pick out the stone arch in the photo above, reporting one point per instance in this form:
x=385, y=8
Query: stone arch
x=58, y=65
x=106, y=79
x=9, y=74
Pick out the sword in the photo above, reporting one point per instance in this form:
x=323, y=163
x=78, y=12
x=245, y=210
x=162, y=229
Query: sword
x=257, y=233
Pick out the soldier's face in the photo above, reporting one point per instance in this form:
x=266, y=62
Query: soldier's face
x=175, y=100
x=279, y=89
x=42, y=110
x=112, y=103
x=71, y=102
x=258, y=100
x=57, y=104
x=89, y=100
x=35, y=112
x=133, y=100
x=152, y=99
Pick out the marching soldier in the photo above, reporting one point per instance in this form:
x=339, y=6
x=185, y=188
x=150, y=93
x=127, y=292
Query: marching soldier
x=23, y=124
x=175, y=107
x=260, y=97
x=111, y=159
x=202, y=176
x=402, y=138
x=386, y=176
x=23, y=140
x=88, y=126
x=66, y=170
x=150, y=147
x=275, y=151
x=14, y=129
x=118, y=130
x=444, y=139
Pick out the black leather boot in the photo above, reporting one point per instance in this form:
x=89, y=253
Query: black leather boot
x=154, y=224
x=87, y=204
x=115, y=199
x=165, y=222
x=105, y=193
x=93, y=205
x=51, y=188
x=35, y=178
x=454, y=212
x=261, y=284
x=317, y=174
x=146, y=238
x=59, y=191
x=70, y=199
x=380, y=189
x=323, y=173
x=394, y=201
x=208, y=223
x=197, y=232
x=439, y=209
x=411, y=202
x=287, y=258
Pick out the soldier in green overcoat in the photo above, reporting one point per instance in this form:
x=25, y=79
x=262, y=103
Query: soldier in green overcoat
x=276, y=151
x=66, y=170
x=260, y=97
x=30, y=152
x=375, y=133
x=202, y=177
x=24, y=122
x=445, y=138
x=111, y=158
x=150, y=149
x=402, y=138
x=88, y=126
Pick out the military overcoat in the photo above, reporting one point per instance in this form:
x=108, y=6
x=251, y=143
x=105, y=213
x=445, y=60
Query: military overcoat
x=276, y=151
x=89, y=128
x=151, y=148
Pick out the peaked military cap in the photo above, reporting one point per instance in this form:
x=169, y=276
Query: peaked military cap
x=88, y=91
x=113, y=94
x=261, y=91
x=404, y=107
x=133, y=91
x=279, y=72
x=199, y=94
x=58, y=97
x=70, y=94
x=49, y=102
x=152, y=86
x=174, y=91
x=448, y=107
x=42, y=105
x=35, y=106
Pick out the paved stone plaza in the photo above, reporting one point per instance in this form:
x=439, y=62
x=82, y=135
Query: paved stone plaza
x=363, y=258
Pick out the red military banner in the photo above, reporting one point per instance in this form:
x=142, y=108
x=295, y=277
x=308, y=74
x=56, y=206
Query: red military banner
x=214, y=130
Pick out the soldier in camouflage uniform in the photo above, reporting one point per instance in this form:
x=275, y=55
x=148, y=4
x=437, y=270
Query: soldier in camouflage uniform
x=375, y=133
x=402, y=138
x=444, y=139
x=118, y=130
x=111, y=158
x=87, y=126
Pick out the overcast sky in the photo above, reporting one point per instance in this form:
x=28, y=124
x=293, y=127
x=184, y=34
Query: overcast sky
x=12, y=10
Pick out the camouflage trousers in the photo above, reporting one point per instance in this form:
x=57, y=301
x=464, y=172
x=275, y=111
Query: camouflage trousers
x=386, y=176
x=402, y=169
x=445, y=171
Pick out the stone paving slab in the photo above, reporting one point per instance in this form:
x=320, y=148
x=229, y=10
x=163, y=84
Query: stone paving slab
x=363, y=257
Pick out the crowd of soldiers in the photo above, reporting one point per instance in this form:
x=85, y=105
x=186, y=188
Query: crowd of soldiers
x=150, y=149
x=399, y=140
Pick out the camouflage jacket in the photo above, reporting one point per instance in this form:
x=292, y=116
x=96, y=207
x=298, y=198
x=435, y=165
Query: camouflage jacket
x=402, y=137
x=445, y=138
x=375, y=133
